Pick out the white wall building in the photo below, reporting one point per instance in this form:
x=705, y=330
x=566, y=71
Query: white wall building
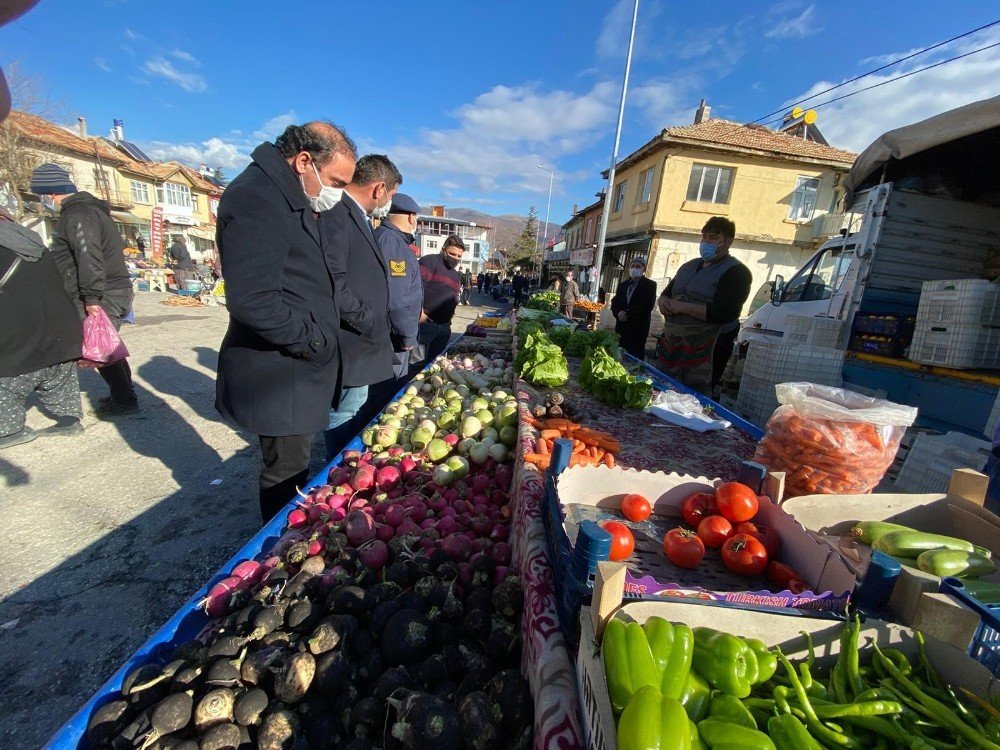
x=434, y=229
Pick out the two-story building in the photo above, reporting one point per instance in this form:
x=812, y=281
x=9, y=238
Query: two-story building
x=773, y=185
x=434, y=229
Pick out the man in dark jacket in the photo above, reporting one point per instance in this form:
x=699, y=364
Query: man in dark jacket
x=480, y=280
x=279, y=362
x=632, y=307
x=406, y=290
x=363, y=294
x=180, y=261
x=442, y=286
x=90, y=254
x=40, y=339
x=519, y=286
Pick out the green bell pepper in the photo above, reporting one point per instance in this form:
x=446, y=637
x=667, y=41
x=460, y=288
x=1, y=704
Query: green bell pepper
x=628, y=662
x=727, y=708
x=696, y=696
x=652, y=722
x=725, y=661
x=660, y=634
x=671, y=646
x=696, y=743
x=767, y=663
x=721, y=735
x=788, y=733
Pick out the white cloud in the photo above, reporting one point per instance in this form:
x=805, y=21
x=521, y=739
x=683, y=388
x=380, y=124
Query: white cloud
x=273, y=127
x=133, y=36
x=185, y=56
x=884, y=59
x=855, y=122
x=613, y=38
x=160, y=66
x=101, y=64
x=796, y=27
x=664, y=102
x=215, y=152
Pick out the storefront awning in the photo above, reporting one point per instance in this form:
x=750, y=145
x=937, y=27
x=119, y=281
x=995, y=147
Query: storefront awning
x=188, y=221
x=126, y=217
x=207, y=233
x=627, y=240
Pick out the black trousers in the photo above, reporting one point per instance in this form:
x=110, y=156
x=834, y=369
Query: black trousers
x=285, y=468
x=117, y=303
x=721, y=354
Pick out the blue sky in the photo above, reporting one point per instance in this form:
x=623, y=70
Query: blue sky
x=467, y=98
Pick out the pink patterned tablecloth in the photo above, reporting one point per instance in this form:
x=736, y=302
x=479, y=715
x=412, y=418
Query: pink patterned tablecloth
x=647, y=443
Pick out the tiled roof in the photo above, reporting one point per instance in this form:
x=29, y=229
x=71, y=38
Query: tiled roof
x=756, y=138
x=42, y=131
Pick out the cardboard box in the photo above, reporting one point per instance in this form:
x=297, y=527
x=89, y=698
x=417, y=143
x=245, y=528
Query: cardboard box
x=958, y=513
x=773, y=629
x=595, y=493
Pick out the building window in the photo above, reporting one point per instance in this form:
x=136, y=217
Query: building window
x=194, y=202
x=619, y=197
x=589, y=231
x=709, y=184
x=647, y=187
x=172, y=194
x=432, y=244
x=140, y=191
x=804, y=199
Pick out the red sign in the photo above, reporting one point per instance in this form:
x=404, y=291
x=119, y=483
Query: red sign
x=156, y=233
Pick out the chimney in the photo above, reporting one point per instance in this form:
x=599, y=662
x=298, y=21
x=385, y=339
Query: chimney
x=118, y=130
x=703, y=113
x=81, y=126
x=437, y=211
x=575, y=208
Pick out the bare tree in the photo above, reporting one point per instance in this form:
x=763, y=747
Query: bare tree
x=17, y=158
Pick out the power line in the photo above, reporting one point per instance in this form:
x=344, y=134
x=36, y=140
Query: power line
x=878, y=70
x=897, y=78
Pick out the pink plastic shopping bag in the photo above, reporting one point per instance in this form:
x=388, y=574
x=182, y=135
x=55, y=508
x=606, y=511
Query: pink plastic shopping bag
x=101, y=343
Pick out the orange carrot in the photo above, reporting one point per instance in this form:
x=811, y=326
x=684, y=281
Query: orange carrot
x=609, y=460
x=551, y=434
x=543, y=447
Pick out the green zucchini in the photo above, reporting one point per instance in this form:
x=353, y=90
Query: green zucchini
x=912, y=543
x=949, y=562
x=985, y=591
x=870, y=532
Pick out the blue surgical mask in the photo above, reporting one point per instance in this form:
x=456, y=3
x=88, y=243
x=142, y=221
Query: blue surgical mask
x=708, y=250
x=635, y=273
x=48, y=203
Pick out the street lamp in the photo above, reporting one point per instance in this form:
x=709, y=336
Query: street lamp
x=548, y=205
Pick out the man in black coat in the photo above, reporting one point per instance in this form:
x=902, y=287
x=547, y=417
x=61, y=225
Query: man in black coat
x=632, y=307
x=279, y=362
x=90, y=254
x=40, y=339
x=181, y=263
x=363, y=294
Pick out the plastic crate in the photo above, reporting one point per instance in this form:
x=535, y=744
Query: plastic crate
x=812, y=331
x=985, y=647
x=883, y=324
x=784, y=363
x=932, y=459
x=957, y=346
x=756, y=400
x=960, y=302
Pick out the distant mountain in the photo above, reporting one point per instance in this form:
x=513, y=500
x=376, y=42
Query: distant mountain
x=507, y=225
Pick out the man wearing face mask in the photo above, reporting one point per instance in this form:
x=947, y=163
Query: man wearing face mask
x=701, y=309
x=362, y=294
x=632, y=307
x=279, y=361
x=442, y=287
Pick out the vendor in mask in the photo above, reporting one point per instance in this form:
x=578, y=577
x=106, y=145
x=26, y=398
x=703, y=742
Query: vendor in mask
x=701, y=308
x=442, y=287
x=632, y=307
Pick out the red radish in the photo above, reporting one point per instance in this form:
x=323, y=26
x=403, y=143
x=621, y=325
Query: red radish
x=250, y=571
x=465, y=573
x=428, y=523
x=357, y=502
x=481, y=524
x=337, y=514
x=385, y=532
x=480, y=482
x=427, y=544
x=499, y=497
x=500, y=573
x=217, y=601
x=448, y=512
x=387, y=477
x=297, y=518
x=337, y=499
x=395, y=514
x=452, y=495
x=451, y=439
x=502, y=476
x=375, y=554
x=316, y=547
x=395, y=451
x=446, y=525
x=407, y=464
x=338, y=475
x=323, y=491
x=481, y=544
x=408, y=527
x=317, y=512
x=501, y=553
x=360, y=527
x=363, y=477
x=499, y=533
x=457, y=546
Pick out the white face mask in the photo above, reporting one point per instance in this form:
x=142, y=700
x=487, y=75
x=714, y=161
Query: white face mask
x=380, y=212
x=635, y=273
x=328, y=196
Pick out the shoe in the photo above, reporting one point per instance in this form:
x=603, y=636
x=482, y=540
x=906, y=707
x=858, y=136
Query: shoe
x=110, y=408
x=25, y=435
x=62, y=430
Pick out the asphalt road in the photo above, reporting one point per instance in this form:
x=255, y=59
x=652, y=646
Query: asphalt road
x=104, y=535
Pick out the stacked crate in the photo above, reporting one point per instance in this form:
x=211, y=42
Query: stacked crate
x=958, y=325
x=768, y=364
x=812, y=331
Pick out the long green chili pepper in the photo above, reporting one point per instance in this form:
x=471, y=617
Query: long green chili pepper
x=781, y=699
x=930, y=674
x=854, y=683
x=880, y=726
x=811, y=656
x=875, y=694
x=817, y=727
x=937, y=710
x=869, y=708
x=960, y=709
x=837, y=682
x=805, y=675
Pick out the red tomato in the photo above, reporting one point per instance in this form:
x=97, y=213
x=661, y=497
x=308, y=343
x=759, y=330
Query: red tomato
x=622, y=541
x=683, y=548
x=714, y=530
x=780, y=574
x=744, y=555
x=636, y=507
x=697, y=506
x=763, y=534
x=736, y=501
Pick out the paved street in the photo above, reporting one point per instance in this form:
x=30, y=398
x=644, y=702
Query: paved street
x=105, y=535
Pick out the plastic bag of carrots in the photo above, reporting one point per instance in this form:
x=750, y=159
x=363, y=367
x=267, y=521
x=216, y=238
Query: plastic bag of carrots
x=830, y=440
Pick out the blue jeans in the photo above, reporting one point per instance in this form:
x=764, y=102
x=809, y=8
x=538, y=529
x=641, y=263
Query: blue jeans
x=345, y=420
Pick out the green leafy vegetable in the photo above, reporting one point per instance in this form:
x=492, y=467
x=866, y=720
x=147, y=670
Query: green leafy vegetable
x=578, y=343
x=541, y=362
x=610, y=382
x=543, y=301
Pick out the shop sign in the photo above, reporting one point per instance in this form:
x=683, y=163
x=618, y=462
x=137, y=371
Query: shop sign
x=582, y=257
x=156, y=233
